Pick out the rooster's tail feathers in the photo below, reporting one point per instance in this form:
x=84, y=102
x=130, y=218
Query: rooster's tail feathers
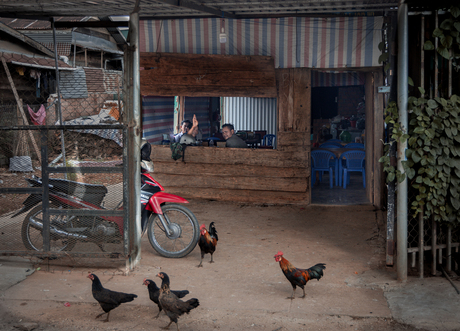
x=316, y=272
x=213, y=231
x=193, y=303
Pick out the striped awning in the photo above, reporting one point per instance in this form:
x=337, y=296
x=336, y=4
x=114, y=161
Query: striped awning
x=334, y=42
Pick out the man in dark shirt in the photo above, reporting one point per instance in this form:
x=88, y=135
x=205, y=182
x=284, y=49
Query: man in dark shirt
x=185, y=126
x=232, y=140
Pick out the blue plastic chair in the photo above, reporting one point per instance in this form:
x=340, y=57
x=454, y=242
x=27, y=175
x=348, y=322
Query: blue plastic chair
x=321, y=161
x=354, y=145
x=330, y=145
x=351, y=161
x=269, y=140
x=334, y=141
x=212, y=138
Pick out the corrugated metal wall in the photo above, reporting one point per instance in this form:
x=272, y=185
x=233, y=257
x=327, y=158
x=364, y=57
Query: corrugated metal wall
x=250, y=113
x=199, y=107
x=157, y=117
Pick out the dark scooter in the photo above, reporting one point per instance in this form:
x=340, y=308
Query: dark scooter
x=172, y=228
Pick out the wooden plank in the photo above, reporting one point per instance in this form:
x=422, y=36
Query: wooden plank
x=191, y=169
x=235, y=156
x=206, y=61
x=247, y=196
x=282, y=79
x=169, y=74
x=293, y=138
x=369, y=139
x=378, y=136
x=208, y=91
x=277, y=184
x=301, y=100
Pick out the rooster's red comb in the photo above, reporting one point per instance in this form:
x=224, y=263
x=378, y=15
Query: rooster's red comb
x=280, y=253
x=202, y=227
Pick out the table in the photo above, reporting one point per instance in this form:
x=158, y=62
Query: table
x=253, y=142
x=337, y=151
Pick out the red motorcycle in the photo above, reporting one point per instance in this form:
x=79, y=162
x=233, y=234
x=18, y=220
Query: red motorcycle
x=171, y=227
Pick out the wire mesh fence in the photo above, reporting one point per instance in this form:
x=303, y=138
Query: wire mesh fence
x=61, y=160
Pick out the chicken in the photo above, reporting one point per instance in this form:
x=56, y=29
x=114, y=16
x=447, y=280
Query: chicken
x=154, y=293
x=208, y=241
x=108, y=299
x=171, y=304
x=299, y=277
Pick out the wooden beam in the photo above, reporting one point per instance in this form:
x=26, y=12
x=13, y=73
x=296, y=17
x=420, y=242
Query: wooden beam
x=171, y=74
x=21, y=109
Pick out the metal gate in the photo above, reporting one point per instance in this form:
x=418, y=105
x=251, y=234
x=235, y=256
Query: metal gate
x=63, y=162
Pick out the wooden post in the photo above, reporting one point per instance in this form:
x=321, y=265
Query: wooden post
x=21, y=109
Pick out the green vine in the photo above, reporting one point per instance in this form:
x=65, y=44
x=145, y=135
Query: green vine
x=433, y=141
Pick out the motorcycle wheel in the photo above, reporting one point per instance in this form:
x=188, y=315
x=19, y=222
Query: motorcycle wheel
x=32, y=235
x=185, y=231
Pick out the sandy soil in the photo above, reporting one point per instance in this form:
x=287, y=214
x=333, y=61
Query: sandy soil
x=244, y=289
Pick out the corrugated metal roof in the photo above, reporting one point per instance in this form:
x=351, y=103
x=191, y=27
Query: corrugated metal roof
x=34, y=61
x=197, y=8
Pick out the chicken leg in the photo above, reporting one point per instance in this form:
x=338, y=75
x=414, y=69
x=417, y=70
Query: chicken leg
x=201, y=261
x=293, y=294
x=107, y=319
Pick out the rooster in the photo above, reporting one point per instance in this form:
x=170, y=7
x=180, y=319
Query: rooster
x=299, y=277
x=108, y=299
x=171, y=304
x=208, y=241
x=154, y=293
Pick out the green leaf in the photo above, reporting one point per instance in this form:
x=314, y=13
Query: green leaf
x=455, y=11
x=416, y=157
x=432, y=104
x=446, y=24
x=410, y=81
x=422, y=90
x=447, y=42
x=384, y=57
x=390, y=177
x=444, y=52
x=437, y=32
x=457, y=26
x=419, y=130
x=381, y=46
x=455, y=203
x=428, y=45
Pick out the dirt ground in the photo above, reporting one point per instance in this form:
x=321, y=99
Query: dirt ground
x=244, y=289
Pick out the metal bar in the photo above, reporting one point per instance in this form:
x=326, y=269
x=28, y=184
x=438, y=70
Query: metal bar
x=449, y=248
x=390, y=251
x=434, y=237
x=58, y=91
x=45, y=195
x=86, y=212
x=428, y=248
x=59, y=254
x=421, y=243
x=63, y=127
x=85, y=170
x=436, y=57
x=403, y=74
x=21, y=190
x=133, y=118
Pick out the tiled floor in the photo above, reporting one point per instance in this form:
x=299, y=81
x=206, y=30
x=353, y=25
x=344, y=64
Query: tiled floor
x=354, y=194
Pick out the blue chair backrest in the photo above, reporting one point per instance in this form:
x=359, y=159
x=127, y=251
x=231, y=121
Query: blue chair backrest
x=330, y=145
x=354, y=145
x=353, y=159
x=320, y=159
x=212, y=138
x=269, y=140
x=334, y=141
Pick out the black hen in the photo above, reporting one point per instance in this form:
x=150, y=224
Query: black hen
x=171, y=304
x=108, y=299
x=154, y=293
x=208, y=241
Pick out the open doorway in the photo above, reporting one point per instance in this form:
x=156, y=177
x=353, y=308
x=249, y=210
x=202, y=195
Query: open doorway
x=338, y=116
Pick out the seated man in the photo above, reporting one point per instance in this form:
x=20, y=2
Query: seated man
x=228, y=132
x=189, y=138
x=185, y=126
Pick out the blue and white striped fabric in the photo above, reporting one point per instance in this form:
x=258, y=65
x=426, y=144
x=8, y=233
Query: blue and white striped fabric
x=312, y=42
x=157, y=117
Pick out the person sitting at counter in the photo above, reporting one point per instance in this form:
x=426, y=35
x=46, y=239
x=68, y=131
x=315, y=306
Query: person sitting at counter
x=232, y=140
x=189, y=138
x=185, y=126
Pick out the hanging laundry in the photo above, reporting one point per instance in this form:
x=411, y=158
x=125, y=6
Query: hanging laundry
x=115, y=113
x=39, y=117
